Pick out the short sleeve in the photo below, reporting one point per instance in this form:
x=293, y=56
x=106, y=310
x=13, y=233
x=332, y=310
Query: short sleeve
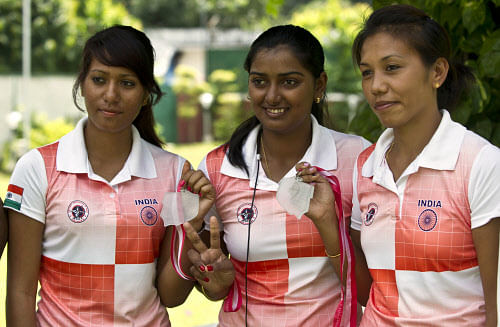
x=356, y=211
x=29, y=179
x=484, y=186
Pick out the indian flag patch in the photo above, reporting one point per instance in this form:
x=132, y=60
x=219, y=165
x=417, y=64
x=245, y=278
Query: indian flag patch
x=14, y=197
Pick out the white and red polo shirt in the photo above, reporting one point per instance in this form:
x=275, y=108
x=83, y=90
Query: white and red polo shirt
x=416, y=232
x=290, y=280
x=101, y=239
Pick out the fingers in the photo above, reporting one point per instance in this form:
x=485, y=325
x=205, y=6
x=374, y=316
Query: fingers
x=309, y=174
x=186, y=167
x=197, y=182
x=198, y=268
x=194, y=238
x=214, y=233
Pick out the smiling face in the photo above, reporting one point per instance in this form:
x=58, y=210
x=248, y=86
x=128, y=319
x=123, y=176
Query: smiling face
x=282, y=90
x=113, y=97
x=398, y=86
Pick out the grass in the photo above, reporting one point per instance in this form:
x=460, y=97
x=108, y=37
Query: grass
x=196, y=311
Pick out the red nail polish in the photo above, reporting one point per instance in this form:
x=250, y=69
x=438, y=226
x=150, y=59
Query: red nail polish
x=300, y=169
x=182, y=182
x=202, y=268
x=210, y=268
x=206, y=279
x=190, y=189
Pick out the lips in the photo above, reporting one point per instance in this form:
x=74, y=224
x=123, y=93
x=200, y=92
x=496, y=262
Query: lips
x=275, y=112
x=109, y=113
x=382, y=105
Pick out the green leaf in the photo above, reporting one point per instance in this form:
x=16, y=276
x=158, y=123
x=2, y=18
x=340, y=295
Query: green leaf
x=483, y=127
x=489, y=64
x=473, y=15
x=495, y=137
x=273, y=7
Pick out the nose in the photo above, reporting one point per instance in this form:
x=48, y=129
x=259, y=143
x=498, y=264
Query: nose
x=378, y=84
x=111, y=93
x=273, y=95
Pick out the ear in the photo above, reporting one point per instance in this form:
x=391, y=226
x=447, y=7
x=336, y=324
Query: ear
x=146, y=99
x=320, y=85
x=439, y=71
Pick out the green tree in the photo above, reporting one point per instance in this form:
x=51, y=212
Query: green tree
x=59, y=30
x=473, y=27
x=335, y=23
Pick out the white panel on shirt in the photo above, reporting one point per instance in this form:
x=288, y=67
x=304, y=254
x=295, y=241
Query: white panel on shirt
x=426, y=291
x=126, y=293
x=379, y=244
x=302, y=275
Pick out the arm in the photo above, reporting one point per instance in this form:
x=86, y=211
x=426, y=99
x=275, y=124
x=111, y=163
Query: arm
x=4, y=228
x=23, y=264
x=172, y=289
x=486, y=243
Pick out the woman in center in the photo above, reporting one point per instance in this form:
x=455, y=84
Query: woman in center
x=285, y=275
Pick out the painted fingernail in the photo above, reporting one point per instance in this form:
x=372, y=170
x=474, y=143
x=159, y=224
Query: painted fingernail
x=311, y=170
x=206, y=279
x=190, y=189
x=182, y=182
x=306, y=164
x=299, y=169
x=210, y=268
x=202, y=268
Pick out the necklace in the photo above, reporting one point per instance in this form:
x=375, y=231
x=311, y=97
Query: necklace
x=265, y=157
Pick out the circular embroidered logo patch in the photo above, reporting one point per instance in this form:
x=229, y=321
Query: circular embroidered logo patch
x=427, y=220
x=247, y=213
x=149, y=216
x=370, y=213
x=78, y=211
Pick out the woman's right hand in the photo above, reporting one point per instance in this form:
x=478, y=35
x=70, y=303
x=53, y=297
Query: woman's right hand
x=211, y=267
x=322, y=205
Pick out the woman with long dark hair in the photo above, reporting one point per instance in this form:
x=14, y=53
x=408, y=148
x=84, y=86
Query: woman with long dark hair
x=85, y=210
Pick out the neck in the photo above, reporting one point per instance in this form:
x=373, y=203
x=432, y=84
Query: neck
x=107, y=152
x=410, y=140
x=282, y=152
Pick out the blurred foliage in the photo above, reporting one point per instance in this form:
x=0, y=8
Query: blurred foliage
x=335, y=23
x=42, y=131
x=473, y=27
x=228, y=108
x=59, y=31
x=188, y=87
x=200, y=13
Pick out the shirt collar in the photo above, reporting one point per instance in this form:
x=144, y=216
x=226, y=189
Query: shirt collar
x=315, y=154
x=72, y=156
x=441, y=153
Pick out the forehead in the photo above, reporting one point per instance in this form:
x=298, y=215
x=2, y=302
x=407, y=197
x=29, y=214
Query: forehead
x=383, y=45
x=277, y=59
x=96, y=65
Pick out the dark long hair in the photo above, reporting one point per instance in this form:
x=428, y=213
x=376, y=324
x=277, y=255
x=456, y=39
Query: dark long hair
x=307, y=50
x=124, y=46
x=428, y=38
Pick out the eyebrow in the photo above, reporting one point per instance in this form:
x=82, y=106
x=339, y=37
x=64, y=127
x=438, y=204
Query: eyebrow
x=383, y=59
x=282, y=74
x=106, y=73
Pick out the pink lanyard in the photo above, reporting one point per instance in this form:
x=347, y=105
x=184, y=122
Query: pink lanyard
x=346, y=249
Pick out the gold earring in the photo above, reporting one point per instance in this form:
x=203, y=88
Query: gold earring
x=436, y=85
x=317, y=100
